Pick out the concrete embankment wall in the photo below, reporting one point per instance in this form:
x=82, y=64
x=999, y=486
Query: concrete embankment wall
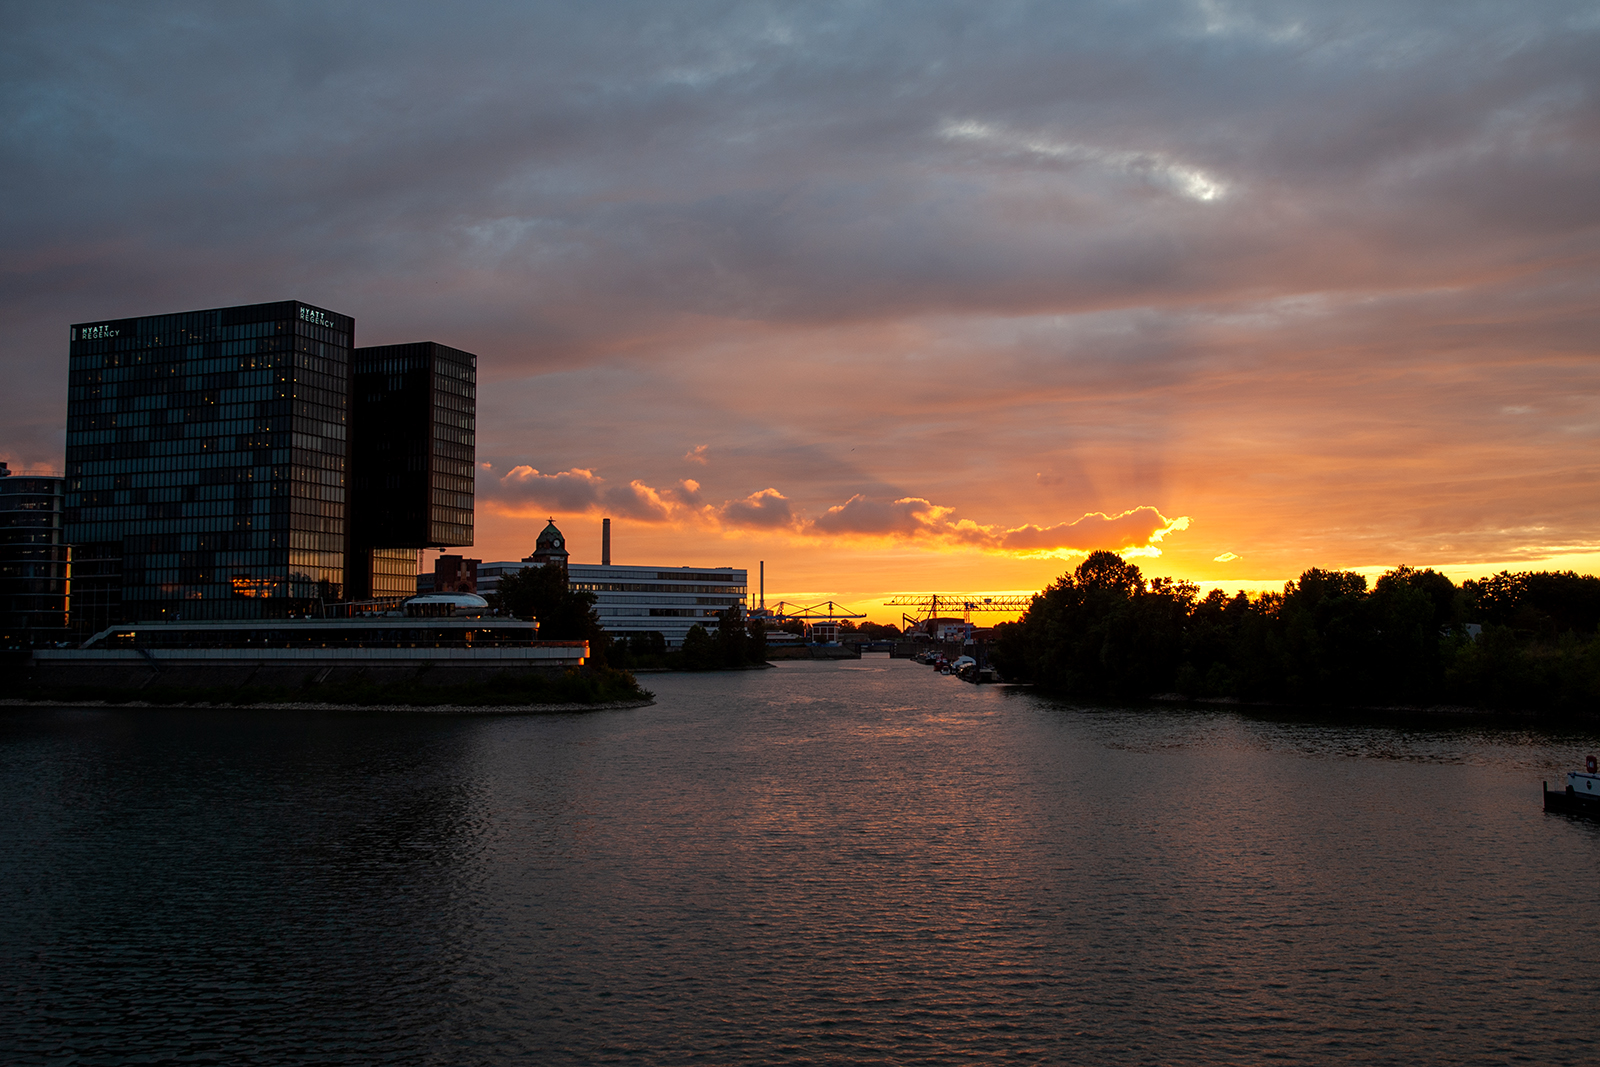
x=48, y=672
x=47, y=675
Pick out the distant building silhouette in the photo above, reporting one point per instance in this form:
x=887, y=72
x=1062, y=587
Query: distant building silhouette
x=551, y=547
x=33, y=560
x=451, y=574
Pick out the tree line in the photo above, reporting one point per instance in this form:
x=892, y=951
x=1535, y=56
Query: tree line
x=1528, y=640
x=873, y=631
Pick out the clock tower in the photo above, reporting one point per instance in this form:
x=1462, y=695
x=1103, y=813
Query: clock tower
x=550, y=548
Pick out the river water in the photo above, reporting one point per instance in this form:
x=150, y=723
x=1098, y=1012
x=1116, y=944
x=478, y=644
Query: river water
x=856, y=863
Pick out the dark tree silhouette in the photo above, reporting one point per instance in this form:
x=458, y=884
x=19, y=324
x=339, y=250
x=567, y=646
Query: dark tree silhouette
x=1106, y=631
x=699, y=652
x=1100, y=631
x=564, y=614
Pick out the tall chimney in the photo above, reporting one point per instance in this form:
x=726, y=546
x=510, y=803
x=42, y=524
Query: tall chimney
x=605, y=542
x=763, y=585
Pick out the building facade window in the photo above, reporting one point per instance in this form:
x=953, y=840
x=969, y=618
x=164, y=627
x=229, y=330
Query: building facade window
x=206, y=462
x=641, y=600
x=412, y=462
x=212, y=458
x=33, y=560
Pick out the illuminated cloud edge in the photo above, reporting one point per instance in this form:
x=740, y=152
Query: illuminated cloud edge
x=906, y=520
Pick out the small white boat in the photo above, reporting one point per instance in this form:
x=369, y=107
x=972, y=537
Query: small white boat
x=1582, y=795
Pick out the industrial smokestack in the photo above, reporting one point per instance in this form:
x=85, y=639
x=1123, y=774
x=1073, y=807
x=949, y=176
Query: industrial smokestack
x=605, y=542
x=763, y=585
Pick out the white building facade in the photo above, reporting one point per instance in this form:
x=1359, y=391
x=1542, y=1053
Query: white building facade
x=636, y=599
x=641, y=599
x=668, y=601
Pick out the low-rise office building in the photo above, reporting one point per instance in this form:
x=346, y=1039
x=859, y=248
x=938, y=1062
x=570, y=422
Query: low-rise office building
x=665, y=600
x=635, y=599
x=451, y=574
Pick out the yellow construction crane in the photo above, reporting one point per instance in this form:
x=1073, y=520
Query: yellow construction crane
x=929, y=605
x=808, y=613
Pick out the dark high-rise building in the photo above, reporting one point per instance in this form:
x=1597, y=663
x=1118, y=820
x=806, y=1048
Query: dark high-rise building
x=250, y=462
x=412, y=455
x=207, y=455
x=33, y=560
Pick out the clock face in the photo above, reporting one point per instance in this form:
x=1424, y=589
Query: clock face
x=556, y=543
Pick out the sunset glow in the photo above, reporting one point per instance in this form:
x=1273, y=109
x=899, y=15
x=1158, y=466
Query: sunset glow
x=1001, y=531
x=893, y=300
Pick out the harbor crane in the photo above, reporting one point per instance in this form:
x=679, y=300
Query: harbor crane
x=829, y=612
x=928, y=605
x=809, y=615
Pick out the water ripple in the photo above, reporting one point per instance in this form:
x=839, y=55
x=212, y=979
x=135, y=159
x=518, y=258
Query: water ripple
x=864, y=863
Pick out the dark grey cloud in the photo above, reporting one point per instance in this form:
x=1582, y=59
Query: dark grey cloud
x=732, y=158
x=551, y=183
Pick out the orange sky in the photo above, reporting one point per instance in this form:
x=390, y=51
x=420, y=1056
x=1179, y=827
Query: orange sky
x=896, y=300
x=1288, y=437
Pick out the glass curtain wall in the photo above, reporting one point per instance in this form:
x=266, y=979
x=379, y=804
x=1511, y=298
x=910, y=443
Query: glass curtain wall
x=394, y=572
x=413, y=427
x=207, y=455
x=451, y=482
x=33, y=561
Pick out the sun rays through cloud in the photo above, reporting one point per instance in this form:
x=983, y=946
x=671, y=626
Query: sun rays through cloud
x=888, y=296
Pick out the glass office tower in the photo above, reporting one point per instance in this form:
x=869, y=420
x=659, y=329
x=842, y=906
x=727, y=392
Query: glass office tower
x=33, y=560
x=413, y=424
x=207, y=455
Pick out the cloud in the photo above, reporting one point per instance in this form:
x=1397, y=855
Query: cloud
x=906, y=517
x=638, y=501
x=1226, y=557
x=913, y=520
x=1157, y=168
x=1325, y=273
x=1137, y=528
x=1133, y=532
x=697, y=454
x=572, y=490
x=764, y=510
x=580, y=490
x=1136, y=531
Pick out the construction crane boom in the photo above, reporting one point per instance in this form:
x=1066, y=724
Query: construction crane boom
x=928, y=605
x=979, y=601
x=828, y=612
